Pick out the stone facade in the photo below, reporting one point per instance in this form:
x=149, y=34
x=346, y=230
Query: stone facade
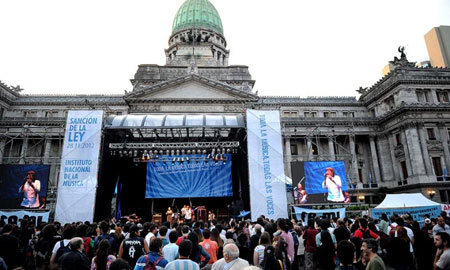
x=397, y=133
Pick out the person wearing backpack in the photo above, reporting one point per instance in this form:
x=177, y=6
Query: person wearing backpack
x=62, y=246
x=104, y=227
x=74, y=259
x=153, y=260
x=364, y=232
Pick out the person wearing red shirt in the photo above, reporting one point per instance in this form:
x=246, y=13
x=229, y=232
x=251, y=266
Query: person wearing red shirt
x=210, y=246
x=363, y=231
x=310, y=248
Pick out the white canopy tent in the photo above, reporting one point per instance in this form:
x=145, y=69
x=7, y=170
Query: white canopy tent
x=405, y=200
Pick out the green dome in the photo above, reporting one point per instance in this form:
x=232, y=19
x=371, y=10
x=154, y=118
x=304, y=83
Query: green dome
x=197, y=14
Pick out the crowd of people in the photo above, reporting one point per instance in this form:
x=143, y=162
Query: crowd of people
x=398, y=242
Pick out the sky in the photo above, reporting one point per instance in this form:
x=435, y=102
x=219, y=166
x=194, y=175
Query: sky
x=292, y=47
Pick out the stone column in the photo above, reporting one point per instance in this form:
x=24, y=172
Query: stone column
x=393, y=159
x=23, y=152
x=48, y=145
x=385, y=158
x=331, y=148
x=2, y=149
x=374, y=156
x=444, y=140
x=288, y=157
x=433, y=96
x=309, y=148
x=405, y=149
x=426, y=155
x=415, y=152
x=354, y=160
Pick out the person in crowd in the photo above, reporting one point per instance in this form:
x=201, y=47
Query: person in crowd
x=68, y=233
x=364, y=232
x=162, y=235
x=326, y=245
x=209, y=246
x=102, y=259
x=154, y=257
x=255, y=233
x=104, y=227
x=134, y=247
x=310, y=244
x=230, y=260
x=170, y=251
x=442, y=258
x=301, y=247
x=399, y=256
x=441, y=226
x=258, y=254
x=198, y=251
x=369, y=250
x=185, y=232
x=152, y=232
x=281, y=253
x=9, y=247
x=75, y=259
x=282, y=225
x=244, y=251
x=270, y=262
x=345, y=254
x=119, y=264
x=358, y=261
x=423, y=247
x=169, y=215
x=384, y=223
x=341, y=232
x=215, y=236
x=183, y=262
x=44, y=246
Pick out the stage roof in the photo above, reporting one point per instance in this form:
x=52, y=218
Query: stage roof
x=143, y=121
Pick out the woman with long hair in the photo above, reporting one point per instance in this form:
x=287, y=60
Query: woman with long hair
x=258, y=254
x=215, y=236
x=44, y=246
x=198, y=251
x=326, y=251
x=102, y=259
x=281, y=253
x=399, y=255
x=270, y=262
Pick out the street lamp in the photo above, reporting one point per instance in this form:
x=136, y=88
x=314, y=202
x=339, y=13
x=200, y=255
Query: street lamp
x=431, y=193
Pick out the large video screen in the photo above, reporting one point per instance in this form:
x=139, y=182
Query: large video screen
x=189, y=176
x=327, y=178
x=23, y=186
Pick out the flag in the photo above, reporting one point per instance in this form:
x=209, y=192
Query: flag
x=444, y=176
x=370, y=180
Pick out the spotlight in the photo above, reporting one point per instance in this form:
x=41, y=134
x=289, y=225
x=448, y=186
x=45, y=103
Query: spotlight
x=150, y=152
x=223, y=150
x=213, y=152
x=188, y=151
x=182, y=151
x=228, y=150
x=120, y=153
x=161, y=152
x=221, y=157
x=216, y=158
x=130, y=153
x=178, y=152
x=204, y=152
x=172, y=152
x=135, y=153
x=167, y=152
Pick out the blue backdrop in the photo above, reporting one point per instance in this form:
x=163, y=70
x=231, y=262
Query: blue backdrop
x=314, y=175
x=189, y=179
x=12, y=177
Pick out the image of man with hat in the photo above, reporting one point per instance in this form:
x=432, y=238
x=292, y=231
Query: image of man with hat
x=30, y=189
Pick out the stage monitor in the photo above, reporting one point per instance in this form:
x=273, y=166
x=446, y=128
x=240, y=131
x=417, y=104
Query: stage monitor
x=328, y=180
x=23, y=186
x=189, y=176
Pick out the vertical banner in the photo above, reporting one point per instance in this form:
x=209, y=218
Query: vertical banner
x=79, y=165
x=266, y=169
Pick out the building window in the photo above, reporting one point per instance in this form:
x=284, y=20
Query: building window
x=290, y=114
x=445, y=195
x=314, y=150
x=390, y=102
x=329, y=114
x=431, y=135
x=422, y=96
x=360, y=175
x=294, y=150
x=357, y=150
x=442, y=96
x=437, y=166
x=404, y=170
x=349, y=114
x=311, y=114
x=286, y=114
x=398, y=139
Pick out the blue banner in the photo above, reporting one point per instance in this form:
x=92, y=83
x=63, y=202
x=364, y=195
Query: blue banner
x=189, y=176
x=326, y=177
x=417, y=213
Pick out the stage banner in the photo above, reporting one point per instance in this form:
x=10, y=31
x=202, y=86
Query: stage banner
x=14, y=217
x=446, y=208
x=23, y=186
x=79, y=165
x=189, y=176
x=304, y=214
x=417, y=213
x=266, y=168
x=327, y=177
